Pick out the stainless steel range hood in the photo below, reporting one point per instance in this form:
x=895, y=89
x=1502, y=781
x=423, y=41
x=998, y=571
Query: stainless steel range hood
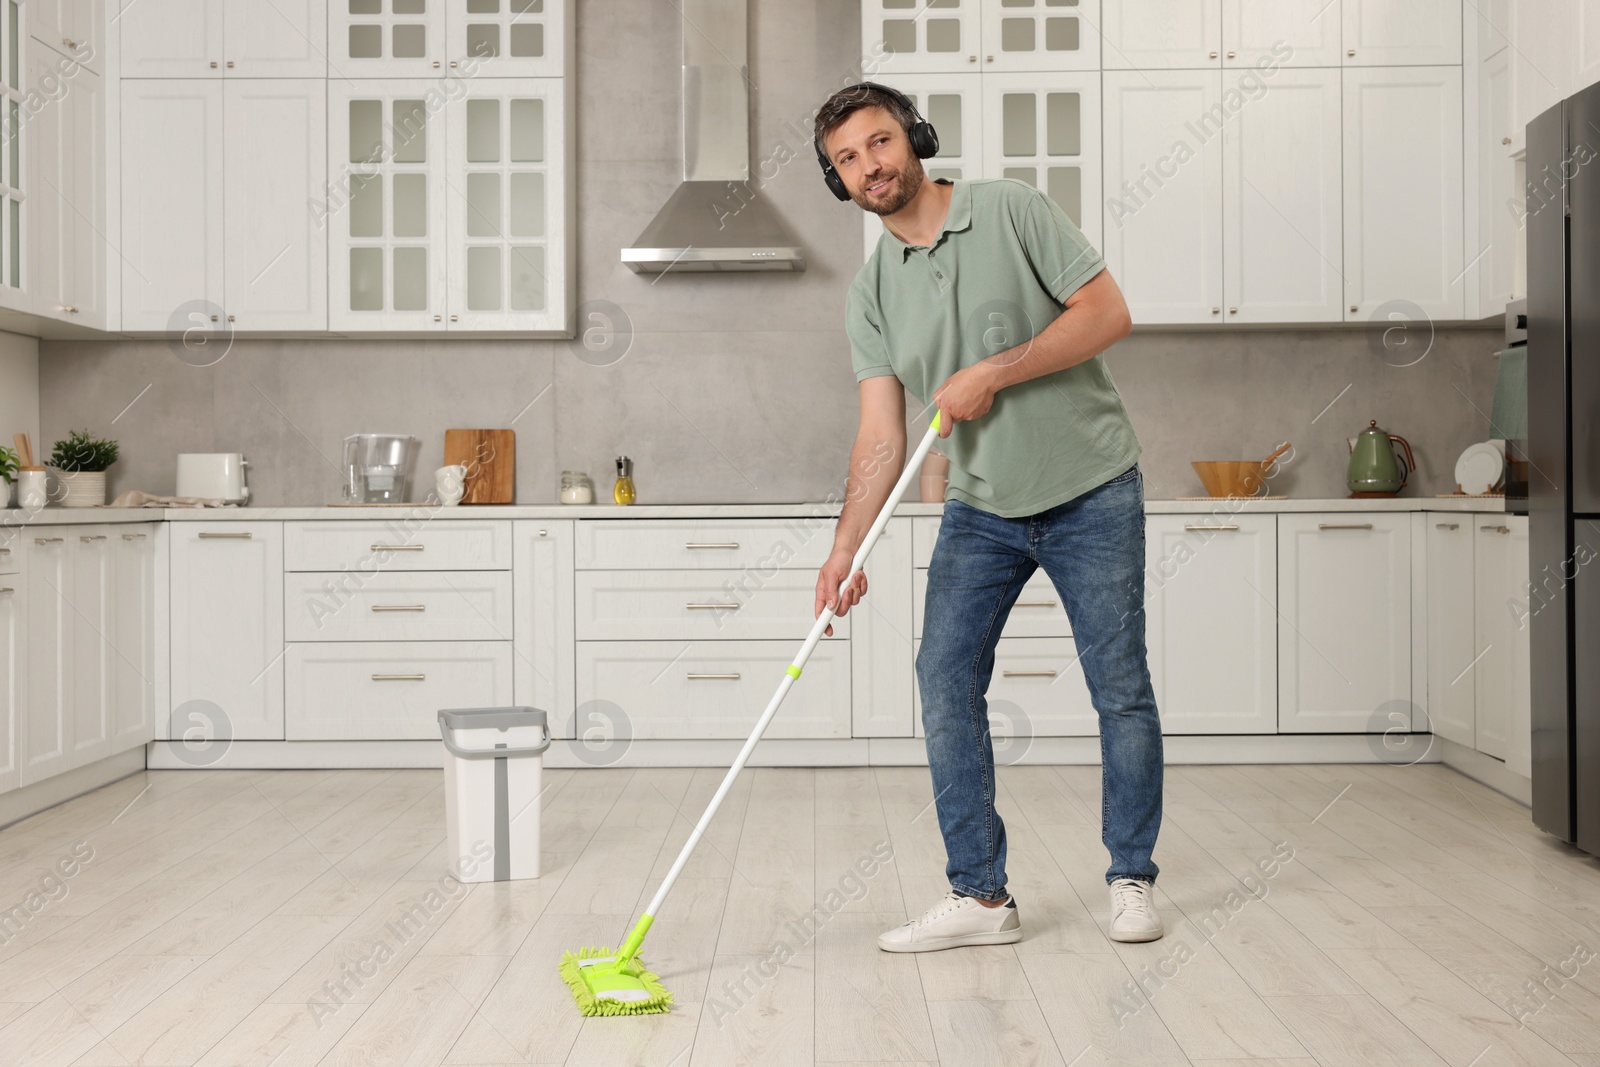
x=716, y=220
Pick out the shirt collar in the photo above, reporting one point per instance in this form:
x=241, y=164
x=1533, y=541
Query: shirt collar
x=956, y=219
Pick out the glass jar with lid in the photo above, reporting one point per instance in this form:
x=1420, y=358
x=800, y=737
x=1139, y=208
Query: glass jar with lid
x=576, y=488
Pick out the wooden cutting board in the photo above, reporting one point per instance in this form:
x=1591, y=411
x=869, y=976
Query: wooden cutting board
x=490, y=457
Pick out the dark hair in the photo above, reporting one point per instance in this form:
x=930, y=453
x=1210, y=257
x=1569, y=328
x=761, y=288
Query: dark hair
x=846, y=102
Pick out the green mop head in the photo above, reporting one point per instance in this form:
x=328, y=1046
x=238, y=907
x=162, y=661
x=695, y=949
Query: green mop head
x=601, y=987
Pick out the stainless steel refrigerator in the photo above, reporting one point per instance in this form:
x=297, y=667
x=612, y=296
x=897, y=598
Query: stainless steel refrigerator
x=1563, y=220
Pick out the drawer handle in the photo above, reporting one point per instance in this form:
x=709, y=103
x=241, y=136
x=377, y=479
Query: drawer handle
x=714, y=607
x=134, y=537
x=398, y=548
x=247, y=535
x=732, y=676
x=7, y=591
x=90, y=539
x=1205, y=526
x=1447, y=526
x=399, y=677
x=1344, y=525
x=1028, y=674
x=5, y=552
x=1496, y=529
x=399, y=607
x=1036, y=603
x=711, y=544
x=47, y=540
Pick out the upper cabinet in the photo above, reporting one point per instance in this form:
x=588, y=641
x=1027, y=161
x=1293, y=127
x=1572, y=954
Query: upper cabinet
x=1037, y=35
x=1153, y=34
x=1403, y=33
x=71, y=28
x=386, y=38
x=506, y=38
x=918, y=37
x=1046, y=131
x=1294, y=33
x=231, y=38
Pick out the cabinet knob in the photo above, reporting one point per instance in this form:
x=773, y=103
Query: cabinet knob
x=972, y=59
x=438, y=318
x=1353, y=308
x=1233, y=311
x=230, y=64
x=1351, y=52
x=1216, y=311
x=455, y=318
x=230, y=318
x=544, y=533
x=70, y=43
x=1213, y=55
x=213, y=318
x=1505, y=140
x=8, y=591
x=1233, y=55
x=452, y=64
x=213, y=64
x=436, y=64
x=988, y=59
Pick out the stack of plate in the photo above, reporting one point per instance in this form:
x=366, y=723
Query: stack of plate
x=1481, y=468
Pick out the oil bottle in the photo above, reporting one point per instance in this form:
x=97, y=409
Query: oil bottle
x=622, y=493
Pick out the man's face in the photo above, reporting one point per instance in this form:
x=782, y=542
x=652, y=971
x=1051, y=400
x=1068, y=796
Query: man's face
x=873, y=156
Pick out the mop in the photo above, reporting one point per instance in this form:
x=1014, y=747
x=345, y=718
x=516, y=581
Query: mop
x=607, y=983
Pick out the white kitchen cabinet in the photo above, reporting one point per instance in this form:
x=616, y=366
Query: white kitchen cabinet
x=1155, y=34
x=1493, y=24
x=387, y=249
x=90, y=595
x=386, y=38
x=67, y=194
x=953, y=104
x=1586, y=41
x=13, y=677
x=1045, y=130
x=1282, y=199
x=507, y=38
x=1295, y=33
x=132, y=635
x=1407, y=33
x=275, y=176
x=1163, y=181
x=1496, y=211
x=227, y=626
x=172, y=253
x=1211, y=624
x=280, y=39
x=171, y=38
x=1519, y=713
x=48, y=712
x=1544, y=56
x=1037, y=690
x=1344, y=597
x=909, y=37
x=74, y=29
x=543, y=620
x=505, y=192
x=1040, y=35
x=371, y=691
x=15, y=271
x=1403, y=227
x=1503, y=699
x=881, y=646
x=1452, y=648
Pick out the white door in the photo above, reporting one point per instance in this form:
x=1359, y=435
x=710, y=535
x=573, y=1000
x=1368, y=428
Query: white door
x=1495, y=631
x=952, y=104
x=507, y=38
x=1211, y=623
x=227, y=629
x=1344, y=593
x=910, y=37
x=386, y=218
x=1403, y=32
x=543, y=628
x=1293, y=33
x=1163, y=182
x=13, y=679
x=1519, y=713
x=1500, y=211
x=93, y=654
x=1045, y=130
x=1041, y=35
x=1494, y=25
x=1452, y=650
x=385, y=39
x=1403, y=193
x=49, y=162
x=507, y=263
x=172, y=204
x=83, y=226
x=1282, y=198
x=71, y=28
x=47, y=717
x=1152, y=34
x=1544, y=58
x=275, y=189
x=133, y=665
x=170, y=39
x=280, y=39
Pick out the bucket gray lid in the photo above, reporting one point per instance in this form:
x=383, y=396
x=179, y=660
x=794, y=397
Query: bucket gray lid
x=491, y=718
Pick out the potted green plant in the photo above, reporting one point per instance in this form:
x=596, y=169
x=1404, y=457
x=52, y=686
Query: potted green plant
x=80, y=462
x=8, y=473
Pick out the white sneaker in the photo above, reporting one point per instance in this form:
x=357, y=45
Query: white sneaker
x=955, y=920
x=1133, y=912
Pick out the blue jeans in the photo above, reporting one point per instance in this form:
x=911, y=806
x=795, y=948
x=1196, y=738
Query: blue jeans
x=1092, y=549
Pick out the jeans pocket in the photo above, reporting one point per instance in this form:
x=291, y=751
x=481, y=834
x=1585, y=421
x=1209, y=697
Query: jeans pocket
x=1126, y=476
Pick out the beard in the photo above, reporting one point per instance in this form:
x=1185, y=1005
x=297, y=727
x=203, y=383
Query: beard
x=903, y=186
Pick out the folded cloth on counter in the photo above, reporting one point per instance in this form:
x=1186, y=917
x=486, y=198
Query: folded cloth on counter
x=135, y=498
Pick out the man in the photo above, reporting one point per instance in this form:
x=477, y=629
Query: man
x=983, y=298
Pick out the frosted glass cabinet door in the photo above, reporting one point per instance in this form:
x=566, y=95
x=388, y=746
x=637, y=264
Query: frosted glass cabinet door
x=919, y=36
x=386, y=264
x=507, y=38
x=385, y=38
x=952, y=103
x=1156, y=34
x=505, y=195
x=1033, y=35
x=1046, y=131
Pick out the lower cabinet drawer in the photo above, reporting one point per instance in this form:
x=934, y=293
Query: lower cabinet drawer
x=398, y=606
x=381, y=690
x=1038, y=611
x=699, y=605
x=1037, y=690
x=713, y=689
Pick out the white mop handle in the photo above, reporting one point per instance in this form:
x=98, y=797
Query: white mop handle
x=910, y=472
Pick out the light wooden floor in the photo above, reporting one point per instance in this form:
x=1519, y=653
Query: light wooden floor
x=220, y=908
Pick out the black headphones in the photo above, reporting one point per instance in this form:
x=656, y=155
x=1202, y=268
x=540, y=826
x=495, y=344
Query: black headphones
x=924, y=141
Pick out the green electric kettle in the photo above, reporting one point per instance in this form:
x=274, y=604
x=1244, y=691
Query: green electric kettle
x=1376, y=469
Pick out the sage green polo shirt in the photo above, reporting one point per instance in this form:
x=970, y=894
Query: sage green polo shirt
x=998, y=273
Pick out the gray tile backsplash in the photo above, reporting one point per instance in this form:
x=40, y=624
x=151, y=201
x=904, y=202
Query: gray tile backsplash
x=734, y=388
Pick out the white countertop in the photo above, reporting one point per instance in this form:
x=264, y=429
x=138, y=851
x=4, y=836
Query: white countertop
x=16, y=517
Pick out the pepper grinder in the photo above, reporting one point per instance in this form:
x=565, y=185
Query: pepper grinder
x=623, y=492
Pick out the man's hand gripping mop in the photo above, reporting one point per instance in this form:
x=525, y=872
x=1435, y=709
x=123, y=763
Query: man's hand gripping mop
x=604, y=983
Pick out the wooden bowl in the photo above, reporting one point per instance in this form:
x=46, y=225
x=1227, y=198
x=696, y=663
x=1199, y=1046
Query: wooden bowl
x=1231, y=477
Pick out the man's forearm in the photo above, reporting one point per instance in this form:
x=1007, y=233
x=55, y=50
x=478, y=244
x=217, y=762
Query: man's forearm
x=875, y=465
x=1075, y=336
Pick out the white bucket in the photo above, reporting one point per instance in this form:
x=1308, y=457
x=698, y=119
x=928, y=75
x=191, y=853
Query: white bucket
x=493, y=761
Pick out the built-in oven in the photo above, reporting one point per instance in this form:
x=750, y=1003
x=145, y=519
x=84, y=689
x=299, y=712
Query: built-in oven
x=1511, y=405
